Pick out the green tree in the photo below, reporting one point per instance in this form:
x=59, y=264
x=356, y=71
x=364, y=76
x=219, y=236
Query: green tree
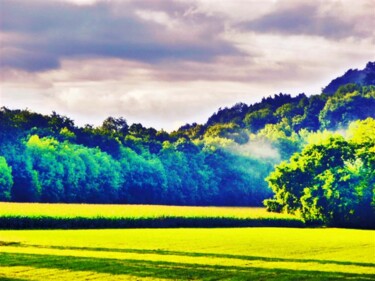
x=256, y=120
x=50, y=171
x=6, y=180
x=26, y=186
x=348, y=104
x=330, y=181
x=115, y=126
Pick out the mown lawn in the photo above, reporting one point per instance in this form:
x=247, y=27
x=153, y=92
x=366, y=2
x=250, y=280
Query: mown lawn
x=188, y=254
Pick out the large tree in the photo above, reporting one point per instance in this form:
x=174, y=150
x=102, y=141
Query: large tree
x=331, y=181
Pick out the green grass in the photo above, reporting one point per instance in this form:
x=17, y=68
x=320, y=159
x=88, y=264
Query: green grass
x=75, y=216
x=130, y=211
x=188, y=254
x=175, y=253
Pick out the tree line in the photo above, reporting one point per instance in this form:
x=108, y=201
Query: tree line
x=48, y=159
x=223, y=162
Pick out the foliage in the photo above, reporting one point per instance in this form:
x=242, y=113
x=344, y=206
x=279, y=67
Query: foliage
x=331, y=180
x=109, y=164
x=6, y=180
x=342, y=108
x=363, y=77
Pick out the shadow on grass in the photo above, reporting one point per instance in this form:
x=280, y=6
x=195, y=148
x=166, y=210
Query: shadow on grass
x=195, y=254
x=11, y=279
x=170, y=270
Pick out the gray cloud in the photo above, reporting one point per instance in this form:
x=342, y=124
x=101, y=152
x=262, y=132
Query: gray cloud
x=309, y=19
x=167, y=62
x=28, y=60
x=55, y=30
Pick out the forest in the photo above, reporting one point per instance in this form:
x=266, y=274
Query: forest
x=307, y=155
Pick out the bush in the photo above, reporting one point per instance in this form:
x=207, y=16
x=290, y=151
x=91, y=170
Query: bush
x=273, y=205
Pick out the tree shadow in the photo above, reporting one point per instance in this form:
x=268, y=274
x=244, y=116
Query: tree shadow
x=197, y=254
x=11, y=279
x=170, y=270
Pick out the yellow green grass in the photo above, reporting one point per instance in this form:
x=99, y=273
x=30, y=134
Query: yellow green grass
x=34, y=215
x=183, y=254
x=131, y=211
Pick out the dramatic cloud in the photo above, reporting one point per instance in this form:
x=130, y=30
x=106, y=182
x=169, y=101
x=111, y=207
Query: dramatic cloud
x=52, y=31
x=165, y=63
x=311, y=19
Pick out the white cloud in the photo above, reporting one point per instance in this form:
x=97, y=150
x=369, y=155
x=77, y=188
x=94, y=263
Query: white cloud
x=158, y=17
x=80, y=2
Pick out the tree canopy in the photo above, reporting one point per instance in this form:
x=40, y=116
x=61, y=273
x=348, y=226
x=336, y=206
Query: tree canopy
x=332, y=180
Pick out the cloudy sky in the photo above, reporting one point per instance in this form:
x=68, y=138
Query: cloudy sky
x=171, y=62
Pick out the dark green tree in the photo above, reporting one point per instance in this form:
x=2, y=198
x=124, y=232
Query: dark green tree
x=6, y=180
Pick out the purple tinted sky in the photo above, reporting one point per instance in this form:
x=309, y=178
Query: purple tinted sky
x=166, y=63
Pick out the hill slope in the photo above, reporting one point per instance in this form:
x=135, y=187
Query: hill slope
x=362, y=77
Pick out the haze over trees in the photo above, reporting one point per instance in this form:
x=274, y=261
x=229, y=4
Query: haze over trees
x=324, y=171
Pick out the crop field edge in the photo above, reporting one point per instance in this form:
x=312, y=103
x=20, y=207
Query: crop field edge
x=48, y=222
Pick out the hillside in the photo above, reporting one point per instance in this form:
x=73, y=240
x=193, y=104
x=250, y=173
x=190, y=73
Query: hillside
x=363, y=77
x=301, y=111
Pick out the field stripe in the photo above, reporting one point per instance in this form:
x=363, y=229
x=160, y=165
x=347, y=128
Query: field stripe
x=192, y=260
x=42, y=274
x=197, y=254
x=46, y=222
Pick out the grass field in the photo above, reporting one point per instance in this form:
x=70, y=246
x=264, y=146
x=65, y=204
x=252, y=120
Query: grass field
x=175, y=253
x=188, y=254
x=33, y=215
x=131, y=211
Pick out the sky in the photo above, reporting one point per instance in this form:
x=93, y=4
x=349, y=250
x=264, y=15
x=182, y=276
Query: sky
x=171, y=62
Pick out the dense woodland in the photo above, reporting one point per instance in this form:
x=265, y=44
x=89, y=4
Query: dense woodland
x=307, y=147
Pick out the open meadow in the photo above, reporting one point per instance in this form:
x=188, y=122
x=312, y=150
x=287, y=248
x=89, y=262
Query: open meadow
x=188, y=254
x=206, y=253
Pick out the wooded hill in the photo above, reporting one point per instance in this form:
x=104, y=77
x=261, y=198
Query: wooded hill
x=223, y=162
